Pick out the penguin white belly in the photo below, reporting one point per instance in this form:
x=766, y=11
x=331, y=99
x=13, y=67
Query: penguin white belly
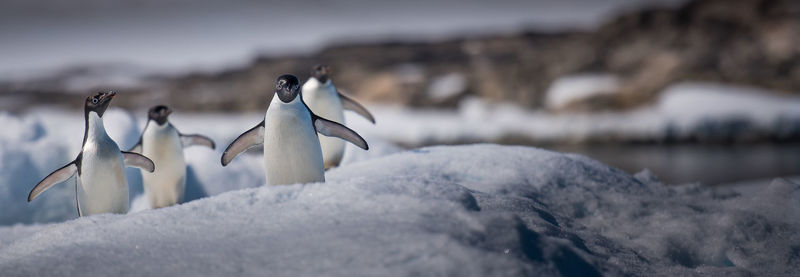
x=102, y=187
x=166, y=185
x=291, y=149
x=324, y=101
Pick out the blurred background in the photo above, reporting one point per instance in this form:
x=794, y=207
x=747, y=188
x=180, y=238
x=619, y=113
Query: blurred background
x=695, y=91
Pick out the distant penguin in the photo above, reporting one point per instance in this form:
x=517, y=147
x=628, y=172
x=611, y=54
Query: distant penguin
x=162, y=143
x=101, y=186
x=325, y=100
x=292, y=152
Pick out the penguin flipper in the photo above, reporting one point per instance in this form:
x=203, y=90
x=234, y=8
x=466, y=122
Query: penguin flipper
x=349, y=103
x=246, y=140
x=137, y=160
x=333, y=129
x=194, y=139
x=58, y=176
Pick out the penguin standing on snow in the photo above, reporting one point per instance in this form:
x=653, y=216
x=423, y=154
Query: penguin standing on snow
x=164, y=145
x=101, y=186
x=292, y=152
x=326, y=101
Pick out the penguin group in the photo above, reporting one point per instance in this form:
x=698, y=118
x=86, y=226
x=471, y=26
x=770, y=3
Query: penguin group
x=302, y=134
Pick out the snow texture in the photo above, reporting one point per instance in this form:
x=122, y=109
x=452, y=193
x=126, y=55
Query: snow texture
x=479, y=210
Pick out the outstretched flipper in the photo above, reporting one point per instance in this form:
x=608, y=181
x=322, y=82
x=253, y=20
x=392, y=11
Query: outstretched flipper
x=137, y=160
x=333, y=129
x=349, y=103
x=190, y=140
x=58, y=176
x=252, y=137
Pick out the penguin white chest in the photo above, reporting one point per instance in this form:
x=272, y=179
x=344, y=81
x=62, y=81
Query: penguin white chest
x=102, y=187
x=166, y=185
x=323, y=100
x=292, y=151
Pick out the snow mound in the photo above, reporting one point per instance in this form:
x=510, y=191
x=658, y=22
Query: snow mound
x=479, y=210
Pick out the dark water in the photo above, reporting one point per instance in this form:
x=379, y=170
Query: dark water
x=708, y=164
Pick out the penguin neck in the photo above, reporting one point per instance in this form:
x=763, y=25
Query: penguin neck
x=314, y=82
x=157, y=126
x=94, y=128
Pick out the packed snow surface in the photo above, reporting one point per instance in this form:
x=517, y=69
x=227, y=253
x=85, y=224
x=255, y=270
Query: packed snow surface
x=479, y=210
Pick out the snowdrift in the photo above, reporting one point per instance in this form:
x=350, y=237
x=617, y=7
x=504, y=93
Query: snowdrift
x=479, y=210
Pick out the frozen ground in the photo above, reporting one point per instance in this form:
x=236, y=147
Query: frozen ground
x=480, y=210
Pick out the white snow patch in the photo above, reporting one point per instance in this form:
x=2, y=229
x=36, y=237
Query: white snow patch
x=569, y=89
x=446, y=86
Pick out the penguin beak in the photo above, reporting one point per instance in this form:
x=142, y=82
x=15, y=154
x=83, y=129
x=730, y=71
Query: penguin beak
x=109, y=95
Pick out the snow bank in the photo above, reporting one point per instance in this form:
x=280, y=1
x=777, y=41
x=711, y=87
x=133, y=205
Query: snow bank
x=481, y=210
x=684, y=112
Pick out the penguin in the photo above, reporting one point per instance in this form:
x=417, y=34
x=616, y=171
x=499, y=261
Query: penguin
x=101, y=186
x=325, y=100
x=288, y=132
x=164, y=144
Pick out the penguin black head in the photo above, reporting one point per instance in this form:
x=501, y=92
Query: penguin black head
x=98, y=102
x=159, y=114
x=287, y=87
x=321, y=72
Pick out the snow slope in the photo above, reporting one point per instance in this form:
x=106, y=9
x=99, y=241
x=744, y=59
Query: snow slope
x=478, y=210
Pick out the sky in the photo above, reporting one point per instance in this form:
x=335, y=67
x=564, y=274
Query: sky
x=41, y=35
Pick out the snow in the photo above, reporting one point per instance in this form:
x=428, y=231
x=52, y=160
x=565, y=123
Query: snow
x=472, y=210
x=684, y=112
x=447, y=86
x=566, y=90
x=477, y=210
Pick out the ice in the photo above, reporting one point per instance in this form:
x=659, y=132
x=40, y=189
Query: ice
x=476, y=210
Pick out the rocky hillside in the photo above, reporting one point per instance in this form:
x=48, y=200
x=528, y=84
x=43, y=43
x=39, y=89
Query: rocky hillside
x=749, y=42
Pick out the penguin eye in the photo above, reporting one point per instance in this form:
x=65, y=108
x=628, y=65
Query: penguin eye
x=94, y=100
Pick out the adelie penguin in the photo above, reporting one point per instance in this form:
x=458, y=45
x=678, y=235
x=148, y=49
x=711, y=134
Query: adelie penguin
x=292, y=152
x=325, y=100
x=164, y=144
x=101, y=186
